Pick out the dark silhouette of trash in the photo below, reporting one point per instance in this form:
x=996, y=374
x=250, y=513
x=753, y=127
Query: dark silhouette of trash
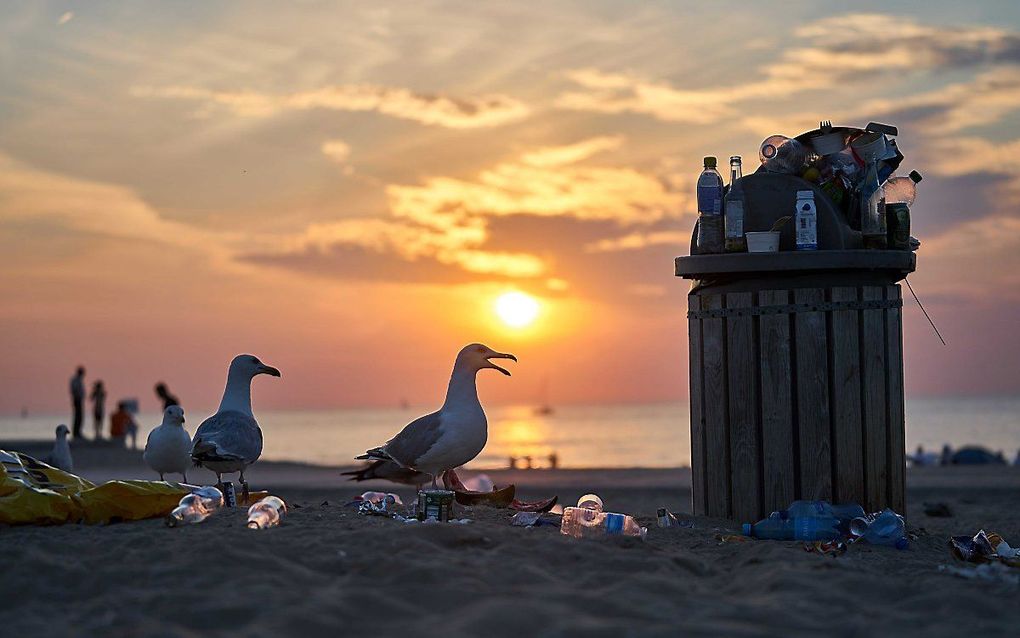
x=937, y=510
x=984, y=547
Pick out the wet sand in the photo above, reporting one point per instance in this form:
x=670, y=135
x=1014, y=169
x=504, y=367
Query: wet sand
x=329, y=571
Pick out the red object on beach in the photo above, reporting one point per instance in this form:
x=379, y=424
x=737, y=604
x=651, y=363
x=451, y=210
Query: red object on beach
x=502, y=497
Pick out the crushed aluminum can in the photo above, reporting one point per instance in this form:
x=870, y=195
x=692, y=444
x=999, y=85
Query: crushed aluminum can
x=386, y=506
x=435, y=504
x=229, y=494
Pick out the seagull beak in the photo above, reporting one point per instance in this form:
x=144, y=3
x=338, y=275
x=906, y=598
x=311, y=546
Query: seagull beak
x=270, y=370
x=500, y=355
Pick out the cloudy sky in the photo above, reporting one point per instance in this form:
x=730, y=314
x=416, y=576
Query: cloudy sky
x=344, y=188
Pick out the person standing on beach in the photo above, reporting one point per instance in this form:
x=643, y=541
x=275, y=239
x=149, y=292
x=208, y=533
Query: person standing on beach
x=164, y=395
x=98, y=397
x=78, y=401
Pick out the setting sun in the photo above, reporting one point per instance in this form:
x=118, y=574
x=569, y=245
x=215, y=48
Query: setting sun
x=517, y=309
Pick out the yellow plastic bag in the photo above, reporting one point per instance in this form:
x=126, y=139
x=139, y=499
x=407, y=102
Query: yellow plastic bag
x=32, y=492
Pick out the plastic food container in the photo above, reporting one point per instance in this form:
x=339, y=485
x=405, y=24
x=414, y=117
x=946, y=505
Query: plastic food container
x=763, y=242
x=870, y=147
x=829, y=143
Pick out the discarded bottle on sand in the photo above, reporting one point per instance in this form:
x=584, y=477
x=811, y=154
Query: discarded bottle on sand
x=588, y=520
x=806, y=521
x=196, y=507
x=266, y=513
x=710, y=217
x=887, y=528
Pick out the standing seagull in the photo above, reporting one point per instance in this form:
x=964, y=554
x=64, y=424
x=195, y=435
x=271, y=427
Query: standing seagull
x=60, y=457
x=456, y=433
x=231, y=439
x=168, y=448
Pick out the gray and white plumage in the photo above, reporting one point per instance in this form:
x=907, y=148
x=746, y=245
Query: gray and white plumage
x=168, y=448
x=387, y=471
x=231, y=440
x=457, y=432
x=60, y=457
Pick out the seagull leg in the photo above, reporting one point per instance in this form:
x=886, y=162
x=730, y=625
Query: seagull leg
x=434, y=486
x=185, y=475
x=161, y=476
x=244, y=487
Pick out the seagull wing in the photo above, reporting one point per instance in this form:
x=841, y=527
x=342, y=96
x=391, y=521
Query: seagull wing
x=386, y=470
x=227, y=436
x=412, y=443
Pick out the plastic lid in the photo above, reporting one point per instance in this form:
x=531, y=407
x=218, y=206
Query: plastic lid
x=709, y=162
x=591, y=502
x=747, y=529
x=914, y=175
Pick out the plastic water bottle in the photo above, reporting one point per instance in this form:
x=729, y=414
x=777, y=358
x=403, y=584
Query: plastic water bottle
x=196, y=507
x=845, y=512
x=903, y=189
x=733, y=210
x=780, y=154
x=801, y=528
x=710, y=219
x=588, y=520
x=887, y=529
x=266, y=513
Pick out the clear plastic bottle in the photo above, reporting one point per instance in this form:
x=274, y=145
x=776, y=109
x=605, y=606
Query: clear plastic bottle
x=196, y=507
x=780, y=154
x=710, y=219
x=266, y=513
x=800, y=528
x=887, y=529
x=588, y=520
x=733, y=210
x=902, y=189
x=872, y=208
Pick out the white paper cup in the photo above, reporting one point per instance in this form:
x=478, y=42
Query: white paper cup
x=763, y=242
x=829, y=143
x=870, y=147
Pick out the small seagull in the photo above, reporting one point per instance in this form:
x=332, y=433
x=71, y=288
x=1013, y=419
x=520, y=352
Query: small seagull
x=456, y=433
x=168, y=448
x=60, y=457
x=231, y=440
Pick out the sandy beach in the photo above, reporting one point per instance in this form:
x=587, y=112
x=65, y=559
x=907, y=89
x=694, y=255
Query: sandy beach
x=328, y=570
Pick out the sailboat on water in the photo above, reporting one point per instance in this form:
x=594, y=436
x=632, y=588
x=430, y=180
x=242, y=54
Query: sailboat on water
x=544, y=408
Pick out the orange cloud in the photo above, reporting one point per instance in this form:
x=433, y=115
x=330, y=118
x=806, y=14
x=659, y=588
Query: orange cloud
x=435, y=110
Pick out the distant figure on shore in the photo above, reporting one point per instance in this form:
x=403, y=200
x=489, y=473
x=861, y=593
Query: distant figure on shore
x=165, y=396
x=513, y=462
x=168, y=449
x=60, y=457
x=922, y=458
x=98, y=397
x=122, y=425
x=554, y=461
x=527, y=463
x=78, y=401
x=947, y=455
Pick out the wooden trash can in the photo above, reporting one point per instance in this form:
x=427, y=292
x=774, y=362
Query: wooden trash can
x=796, y=379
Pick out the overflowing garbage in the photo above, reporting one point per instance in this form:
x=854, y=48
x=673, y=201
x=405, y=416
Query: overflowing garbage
x=851, y=168
x=984, y=547
x=590, y=520
x=820, y=521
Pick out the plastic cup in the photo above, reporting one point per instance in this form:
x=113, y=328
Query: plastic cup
x=763, y=242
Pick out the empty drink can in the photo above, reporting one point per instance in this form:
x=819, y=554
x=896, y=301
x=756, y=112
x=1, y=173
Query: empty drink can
x=898, y=225
x=229, y=495
x=435, y=504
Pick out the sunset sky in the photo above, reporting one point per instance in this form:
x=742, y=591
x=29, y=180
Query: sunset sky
x=345, y=188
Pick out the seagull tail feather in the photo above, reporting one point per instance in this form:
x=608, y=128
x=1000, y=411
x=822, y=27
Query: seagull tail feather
x=375, y=454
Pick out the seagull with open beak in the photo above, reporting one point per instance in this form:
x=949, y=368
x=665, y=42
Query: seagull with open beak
x=455, y=434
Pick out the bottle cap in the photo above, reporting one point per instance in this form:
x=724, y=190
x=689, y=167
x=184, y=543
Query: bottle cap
x=914, y=175
x=709, y=162
x=734, y=158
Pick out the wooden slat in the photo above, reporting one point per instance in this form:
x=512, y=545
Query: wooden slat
x=697, y=418
x=845, y=402
x=776, y=404
x=717, y=475
x=742, y=363
x=813, y=398
x=873, y=387
x=894, y=390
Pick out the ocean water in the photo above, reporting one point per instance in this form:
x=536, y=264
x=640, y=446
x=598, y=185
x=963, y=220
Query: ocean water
x=633, y=435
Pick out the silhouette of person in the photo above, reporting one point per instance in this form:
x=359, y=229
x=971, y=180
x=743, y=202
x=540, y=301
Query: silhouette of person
x=164, y=394
x=513, y=462
x=78, y=401
x=122, y=425
x=98, y=397
x=527, y=463
x=554, y=460
x=947, y=455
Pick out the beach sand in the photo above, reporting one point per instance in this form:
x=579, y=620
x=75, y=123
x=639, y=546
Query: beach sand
x=329, y=571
